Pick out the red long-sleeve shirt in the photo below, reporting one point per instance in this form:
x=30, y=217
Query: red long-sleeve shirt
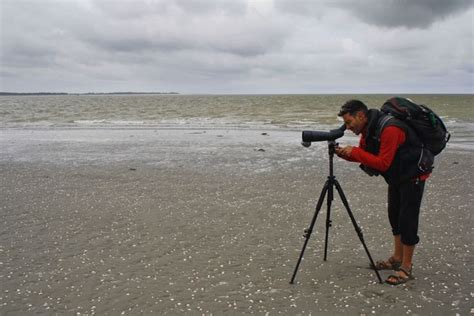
x=391, y=139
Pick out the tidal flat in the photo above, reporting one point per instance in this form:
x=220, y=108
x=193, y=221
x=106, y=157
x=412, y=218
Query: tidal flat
x=150, y=221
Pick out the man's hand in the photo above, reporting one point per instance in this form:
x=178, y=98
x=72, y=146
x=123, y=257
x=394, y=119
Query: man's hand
x=343, y=152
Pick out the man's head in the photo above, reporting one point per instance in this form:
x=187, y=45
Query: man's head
x=354, y=113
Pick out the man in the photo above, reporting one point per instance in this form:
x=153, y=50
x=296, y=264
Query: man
x=388, y=147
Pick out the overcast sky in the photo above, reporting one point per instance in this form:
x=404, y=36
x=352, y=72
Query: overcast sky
x=236, y=46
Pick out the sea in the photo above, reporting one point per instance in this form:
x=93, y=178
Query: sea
x=162, y=111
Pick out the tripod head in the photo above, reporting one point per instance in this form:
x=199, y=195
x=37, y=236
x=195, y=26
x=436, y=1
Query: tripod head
x=332, y=147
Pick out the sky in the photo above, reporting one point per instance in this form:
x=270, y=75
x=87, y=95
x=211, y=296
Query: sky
x=237, y=46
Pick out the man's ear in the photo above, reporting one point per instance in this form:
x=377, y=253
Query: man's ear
x=361, y=117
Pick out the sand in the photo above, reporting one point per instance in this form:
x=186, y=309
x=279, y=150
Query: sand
x=211, y=221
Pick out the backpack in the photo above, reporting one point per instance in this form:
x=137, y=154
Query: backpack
x=427, y=125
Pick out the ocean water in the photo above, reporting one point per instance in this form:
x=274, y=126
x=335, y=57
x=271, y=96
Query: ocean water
x=285, y=112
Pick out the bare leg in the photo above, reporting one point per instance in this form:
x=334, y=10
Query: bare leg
x=407, y=261
x=395, y=260
x=398, y=248
x=408, y=256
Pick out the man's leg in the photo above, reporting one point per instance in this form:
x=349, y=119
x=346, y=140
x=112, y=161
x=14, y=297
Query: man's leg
x=407, y=263
x=398, y=249
x=411, y=196
x=393, y=216
x=394, y=261
x=407, y=260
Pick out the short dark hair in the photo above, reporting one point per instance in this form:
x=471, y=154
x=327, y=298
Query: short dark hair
x=352, y=107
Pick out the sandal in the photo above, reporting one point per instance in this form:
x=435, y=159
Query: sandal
x=399, y=278
x=390, y=264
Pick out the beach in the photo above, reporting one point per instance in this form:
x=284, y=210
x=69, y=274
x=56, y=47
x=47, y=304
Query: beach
x=210, y=221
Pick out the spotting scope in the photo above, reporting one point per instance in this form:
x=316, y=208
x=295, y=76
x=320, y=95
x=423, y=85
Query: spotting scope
x=319, y=136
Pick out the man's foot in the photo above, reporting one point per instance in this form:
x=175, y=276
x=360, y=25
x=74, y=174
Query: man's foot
x=389, y=264
x=403, y=275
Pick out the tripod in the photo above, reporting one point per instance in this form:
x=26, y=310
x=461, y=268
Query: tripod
x=328, y=189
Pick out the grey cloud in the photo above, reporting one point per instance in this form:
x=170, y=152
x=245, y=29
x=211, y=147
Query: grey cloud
x=231, y=7
x=130, y=9
x=232, y=46
x=387, y=13
x=57, y=33
x=244, y=35
x=39, y=32
x=242, y=41
x=315, y=9
x=405, y=13
x=160, y=41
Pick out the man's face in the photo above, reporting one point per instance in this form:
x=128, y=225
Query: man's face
x=355, y=123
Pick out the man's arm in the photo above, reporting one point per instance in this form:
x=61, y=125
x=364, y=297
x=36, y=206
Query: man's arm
x=392, y=137
x=345, y=152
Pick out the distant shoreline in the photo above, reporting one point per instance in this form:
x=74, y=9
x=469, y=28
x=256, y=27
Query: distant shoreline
x=229, y=94
x=88, y=93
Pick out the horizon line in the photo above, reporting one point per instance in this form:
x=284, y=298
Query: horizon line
x=8, y=93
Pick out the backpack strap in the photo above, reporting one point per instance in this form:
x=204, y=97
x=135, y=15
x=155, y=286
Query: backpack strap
x=381, y=125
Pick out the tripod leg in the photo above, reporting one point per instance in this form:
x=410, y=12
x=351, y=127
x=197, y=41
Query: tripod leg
x=358, y=230
x=328, y=215
x=307, y=232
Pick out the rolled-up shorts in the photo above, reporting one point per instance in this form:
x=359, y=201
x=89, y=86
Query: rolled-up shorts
x=404, y=201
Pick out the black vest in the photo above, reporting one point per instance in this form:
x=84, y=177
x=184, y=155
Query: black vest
x=405, y=163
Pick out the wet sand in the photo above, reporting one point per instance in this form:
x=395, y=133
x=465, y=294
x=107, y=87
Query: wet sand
x=211, y=222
